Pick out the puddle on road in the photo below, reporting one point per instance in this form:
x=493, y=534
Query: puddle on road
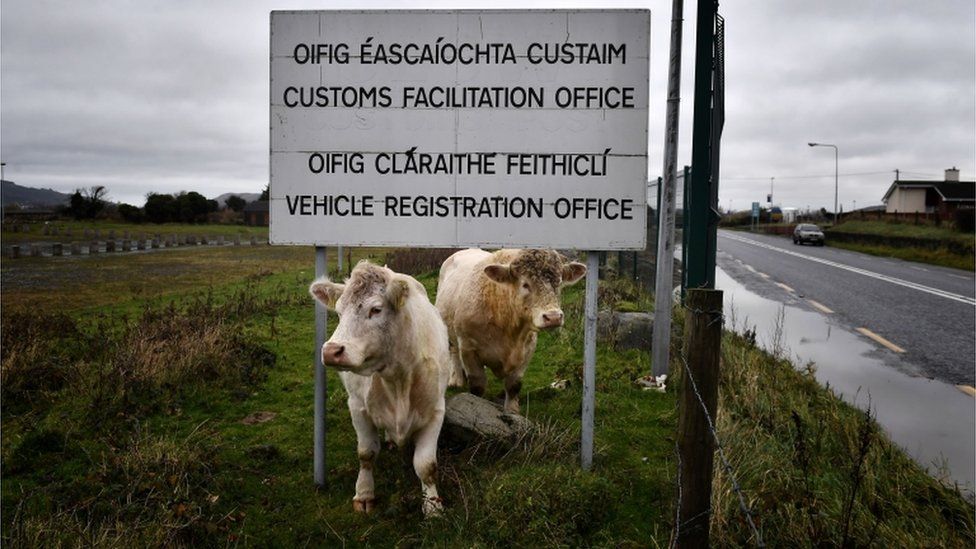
x=932, y=420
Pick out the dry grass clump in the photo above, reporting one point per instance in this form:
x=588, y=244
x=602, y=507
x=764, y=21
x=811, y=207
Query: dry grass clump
x=417, y=261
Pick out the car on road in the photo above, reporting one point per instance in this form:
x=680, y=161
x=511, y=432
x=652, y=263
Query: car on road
x=808, y=232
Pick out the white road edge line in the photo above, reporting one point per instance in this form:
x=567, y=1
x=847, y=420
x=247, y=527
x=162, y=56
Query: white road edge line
x=865, y=272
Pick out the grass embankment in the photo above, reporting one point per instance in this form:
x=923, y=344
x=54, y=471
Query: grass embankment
x=122, y=426
x=904, y=240
x=77, y=229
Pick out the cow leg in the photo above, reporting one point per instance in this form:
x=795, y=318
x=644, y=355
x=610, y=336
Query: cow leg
x=425, y=464
x=513, y=385
x=368, y=447
x=457, y=370
x=475, y=371
x=513, y=380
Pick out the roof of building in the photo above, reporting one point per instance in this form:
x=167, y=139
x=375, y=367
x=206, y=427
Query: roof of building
x=950, y=191
x=256, y=206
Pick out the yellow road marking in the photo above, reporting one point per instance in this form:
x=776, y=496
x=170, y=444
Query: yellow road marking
x=881, y=340
x=968, y=389
x=821, y=307
x=785, y=287
x=750, y=267
x=764, y=275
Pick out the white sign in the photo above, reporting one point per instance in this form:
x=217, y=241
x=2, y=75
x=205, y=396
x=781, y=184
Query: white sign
x=463, y=128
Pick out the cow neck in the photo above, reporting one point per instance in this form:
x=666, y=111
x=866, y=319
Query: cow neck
x=503, y=312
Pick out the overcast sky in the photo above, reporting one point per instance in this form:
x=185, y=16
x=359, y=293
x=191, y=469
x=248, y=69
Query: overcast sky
x=166, y=96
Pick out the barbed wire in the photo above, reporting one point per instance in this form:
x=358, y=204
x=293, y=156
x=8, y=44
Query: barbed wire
x=716, y=317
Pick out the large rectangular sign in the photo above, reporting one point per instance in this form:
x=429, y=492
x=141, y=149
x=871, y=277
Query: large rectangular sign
x=462, y=128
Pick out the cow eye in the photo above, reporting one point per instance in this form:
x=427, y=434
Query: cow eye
x=375, y=311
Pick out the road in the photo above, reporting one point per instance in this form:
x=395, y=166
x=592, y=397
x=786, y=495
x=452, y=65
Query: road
x=924, y=315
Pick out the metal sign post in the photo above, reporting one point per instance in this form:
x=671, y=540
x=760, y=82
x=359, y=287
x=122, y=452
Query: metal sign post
x=589, y=359
x=321, y=328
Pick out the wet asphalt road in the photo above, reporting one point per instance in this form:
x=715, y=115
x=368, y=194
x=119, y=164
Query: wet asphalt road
x=928, y=311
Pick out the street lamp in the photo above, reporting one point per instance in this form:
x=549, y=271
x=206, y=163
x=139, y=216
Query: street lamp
x=835, y=173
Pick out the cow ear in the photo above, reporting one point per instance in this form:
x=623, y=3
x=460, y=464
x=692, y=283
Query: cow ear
x=572, y=272
x=501, y=274
x=397, y=292
x=326, y=292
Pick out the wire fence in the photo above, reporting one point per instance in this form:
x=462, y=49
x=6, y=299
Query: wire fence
x=747, y=512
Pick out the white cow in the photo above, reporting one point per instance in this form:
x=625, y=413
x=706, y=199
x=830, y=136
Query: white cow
x=391, y=350
x=494, y=304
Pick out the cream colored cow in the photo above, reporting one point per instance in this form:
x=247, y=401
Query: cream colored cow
x=391, y=350
x=494, y=304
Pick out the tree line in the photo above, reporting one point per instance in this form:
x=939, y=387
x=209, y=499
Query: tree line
x=183, y=207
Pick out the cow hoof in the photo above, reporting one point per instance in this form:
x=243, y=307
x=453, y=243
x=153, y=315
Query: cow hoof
x=363, y=506
x=433, y=507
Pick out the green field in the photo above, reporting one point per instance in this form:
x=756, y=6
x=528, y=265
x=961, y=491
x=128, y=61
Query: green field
x=125, y=384
x=77, y=228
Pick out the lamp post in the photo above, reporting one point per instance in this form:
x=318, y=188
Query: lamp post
x=835, y=173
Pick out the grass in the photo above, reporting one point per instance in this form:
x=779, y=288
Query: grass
x=818, y=471
x=904, y=229
x=77, y=229
x=925, y=243
x=122, y=426
x=940, y=257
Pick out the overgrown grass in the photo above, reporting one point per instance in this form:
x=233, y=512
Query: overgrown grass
x=123, y=426
x=816, y=471
x=78, y=445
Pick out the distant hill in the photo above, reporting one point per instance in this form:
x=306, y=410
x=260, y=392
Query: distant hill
x=250, y=197
x=12, y=193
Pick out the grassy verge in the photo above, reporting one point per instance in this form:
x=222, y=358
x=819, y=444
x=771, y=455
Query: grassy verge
x=940, y=257
x=817, y=471
x=904, y=229
x=123, y=426
x=935, y=245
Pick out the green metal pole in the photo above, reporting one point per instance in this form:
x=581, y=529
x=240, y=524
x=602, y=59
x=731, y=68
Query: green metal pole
x=700, y=266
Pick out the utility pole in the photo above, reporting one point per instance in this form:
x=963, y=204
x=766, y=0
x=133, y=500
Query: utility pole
x=666, y=214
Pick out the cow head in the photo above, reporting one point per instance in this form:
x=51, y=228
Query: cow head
x=537, y=277
x=368, y=305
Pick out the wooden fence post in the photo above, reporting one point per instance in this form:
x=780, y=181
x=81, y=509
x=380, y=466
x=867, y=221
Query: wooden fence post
x=696, y=442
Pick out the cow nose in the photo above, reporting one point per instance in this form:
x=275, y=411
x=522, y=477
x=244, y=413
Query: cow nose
x=333, y=353
x=552, y=318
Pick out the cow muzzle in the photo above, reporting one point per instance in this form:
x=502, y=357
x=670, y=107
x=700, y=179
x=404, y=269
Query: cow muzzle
x=334, y=354
x=550, y=319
